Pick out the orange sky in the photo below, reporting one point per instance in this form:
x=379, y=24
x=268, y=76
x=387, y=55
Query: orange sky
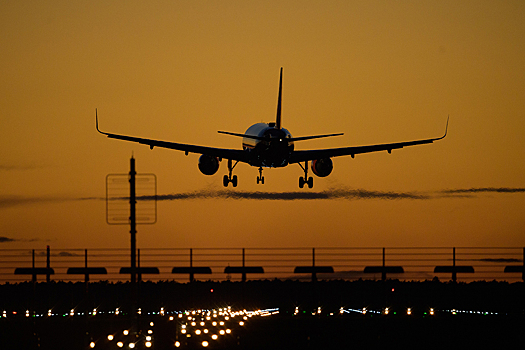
x=379, y=71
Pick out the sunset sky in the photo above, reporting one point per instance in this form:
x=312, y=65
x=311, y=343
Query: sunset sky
x=378, y=71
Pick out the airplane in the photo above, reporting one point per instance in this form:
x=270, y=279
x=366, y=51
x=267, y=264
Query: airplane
x=269, y=145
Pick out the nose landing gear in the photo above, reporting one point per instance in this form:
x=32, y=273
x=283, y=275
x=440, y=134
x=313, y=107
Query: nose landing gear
x=229, y=178
x=260, y=178
x=305, y=180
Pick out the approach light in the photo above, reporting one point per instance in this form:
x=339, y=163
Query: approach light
x=120, y=344
x=241, y=323
x=92, y=344
x=151, y=324
x=431, y=311
x=202, y=323
x=214, y=337
x=125, y=332
x=205, y=344
x=177, y=344
x=221, y=332
x=183, y=331
x=131, y=345
x=198, y=331
x=228, y=331
x=148, y=338
x=110, y=337
x=148, y=344
x=409, y=311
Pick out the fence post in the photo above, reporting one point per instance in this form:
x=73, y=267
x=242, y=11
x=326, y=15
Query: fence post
x=314, y=274
x=243, y=271
x=383, y=272
x=48, y=264
x=191, y=265
x=454, y=276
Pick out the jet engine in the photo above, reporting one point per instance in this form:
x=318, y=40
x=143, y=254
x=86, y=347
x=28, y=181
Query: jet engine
x=208, y=165
x=322, y=167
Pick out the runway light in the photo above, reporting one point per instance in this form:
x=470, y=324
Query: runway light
x=177, y=344
x=92, y=344
x=202, y=324
x=72, y=312
x=110, y=337
x=431, y=311
x=205, y=344
x=386, y=311
x=48, y=313
x=151, y=324
x=228, y=331
x=409, y=311
x=27, y=313
x=214, y=337
x=171, y=318
x=221, y=332
x=131, y=345
x=125, y=332
x=120, y=344
x=183, y=331
x=241, y=323
x=198, y=331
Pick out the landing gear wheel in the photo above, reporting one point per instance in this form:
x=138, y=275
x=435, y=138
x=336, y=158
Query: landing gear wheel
x=229, y=178
x=305, y=180
x=260, y=178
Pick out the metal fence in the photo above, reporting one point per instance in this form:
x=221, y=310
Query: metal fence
x=463, y=264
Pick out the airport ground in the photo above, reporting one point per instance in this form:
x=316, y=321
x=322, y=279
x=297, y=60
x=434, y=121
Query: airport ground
x=477, y=314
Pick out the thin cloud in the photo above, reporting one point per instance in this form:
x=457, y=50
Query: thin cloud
x=330, y=194
x=11, y=201
x=17, y=167
x=4, y=239
x=486, y=190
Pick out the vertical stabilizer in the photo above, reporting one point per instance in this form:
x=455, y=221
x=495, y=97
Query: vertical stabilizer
x=278, y=119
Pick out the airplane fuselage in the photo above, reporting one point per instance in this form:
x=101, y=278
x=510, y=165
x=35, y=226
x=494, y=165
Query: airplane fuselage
x=272, y=148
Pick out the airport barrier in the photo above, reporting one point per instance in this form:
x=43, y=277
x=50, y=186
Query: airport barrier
x=462, y=264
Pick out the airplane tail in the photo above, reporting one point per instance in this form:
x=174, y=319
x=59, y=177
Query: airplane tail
x=278, y=119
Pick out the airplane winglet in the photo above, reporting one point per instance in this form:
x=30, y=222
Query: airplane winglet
x=96, y=118
x=446, y=129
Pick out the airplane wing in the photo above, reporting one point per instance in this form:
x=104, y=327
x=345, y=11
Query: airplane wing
x=301, y=156
x=233, y=154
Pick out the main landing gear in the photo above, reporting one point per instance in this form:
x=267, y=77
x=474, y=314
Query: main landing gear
x=305, y=180
x=229, y=178
x=260, y=178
